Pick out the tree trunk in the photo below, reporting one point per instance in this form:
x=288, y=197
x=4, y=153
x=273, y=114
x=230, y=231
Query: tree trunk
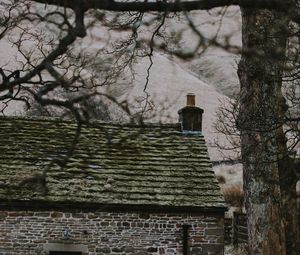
x=260, y=70
x=288, y=181
x=290, y=211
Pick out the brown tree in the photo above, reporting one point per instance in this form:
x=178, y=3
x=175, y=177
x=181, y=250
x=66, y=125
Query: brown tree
x=265, y=117
x=261, y=105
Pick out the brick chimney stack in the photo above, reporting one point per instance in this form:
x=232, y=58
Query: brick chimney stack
x=190, y=116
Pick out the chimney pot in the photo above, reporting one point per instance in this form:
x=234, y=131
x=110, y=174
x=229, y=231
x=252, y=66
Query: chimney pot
x=190, y=99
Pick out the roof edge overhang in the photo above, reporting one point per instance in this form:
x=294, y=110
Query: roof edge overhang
x=67, y=206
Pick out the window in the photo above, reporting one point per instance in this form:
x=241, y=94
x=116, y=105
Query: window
x=65, y=249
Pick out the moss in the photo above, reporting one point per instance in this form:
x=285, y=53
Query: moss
x=112, y=163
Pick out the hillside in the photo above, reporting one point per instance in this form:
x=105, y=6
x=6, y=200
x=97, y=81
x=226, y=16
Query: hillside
x=211, y=76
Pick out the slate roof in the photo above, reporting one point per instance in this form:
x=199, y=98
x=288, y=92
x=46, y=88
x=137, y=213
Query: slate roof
x=112, y=164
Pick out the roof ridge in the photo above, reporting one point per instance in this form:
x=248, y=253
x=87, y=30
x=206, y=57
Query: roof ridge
x=91, y=122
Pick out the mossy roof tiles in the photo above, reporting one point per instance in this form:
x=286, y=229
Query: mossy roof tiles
x=112, y=164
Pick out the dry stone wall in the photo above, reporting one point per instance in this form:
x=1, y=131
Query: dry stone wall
x=112, y=233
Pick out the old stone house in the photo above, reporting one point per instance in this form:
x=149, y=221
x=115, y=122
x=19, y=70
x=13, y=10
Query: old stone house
x=119, y=189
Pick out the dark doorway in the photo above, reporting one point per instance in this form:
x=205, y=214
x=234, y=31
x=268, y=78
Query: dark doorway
x=64, y=253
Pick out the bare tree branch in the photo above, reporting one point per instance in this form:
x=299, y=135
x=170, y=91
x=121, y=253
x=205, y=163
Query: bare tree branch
x=177, y=6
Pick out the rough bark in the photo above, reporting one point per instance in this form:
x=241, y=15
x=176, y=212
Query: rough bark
x=288, y=180
x=289, y=206
x=264, y=34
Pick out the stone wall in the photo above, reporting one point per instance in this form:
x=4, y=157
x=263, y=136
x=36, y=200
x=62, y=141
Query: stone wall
x=37, y=232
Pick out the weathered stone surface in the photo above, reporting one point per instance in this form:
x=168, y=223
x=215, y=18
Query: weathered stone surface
x=214, y=231
x=152, y=249
x=213, y=248
x=105, y=232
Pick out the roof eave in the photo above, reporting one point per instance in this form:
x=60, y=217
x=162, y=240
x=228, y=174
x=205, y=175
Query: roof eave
x=149, y=208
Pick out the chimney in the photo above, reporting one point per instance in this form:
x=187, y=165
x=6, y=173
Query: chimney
x=190, y=116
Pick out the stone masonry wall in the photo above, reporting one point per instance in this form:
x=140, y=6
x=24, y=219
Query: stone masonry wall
x=26, y=232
